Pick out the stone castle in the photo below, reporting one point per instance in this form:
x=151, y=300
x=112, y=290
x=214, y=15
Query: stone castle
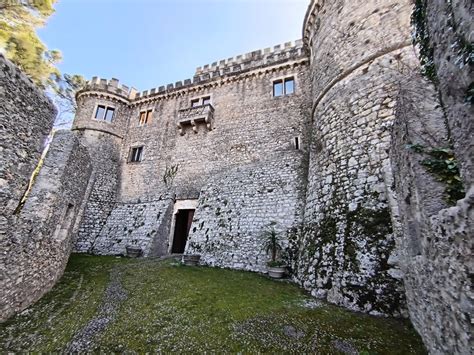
x=311, y=135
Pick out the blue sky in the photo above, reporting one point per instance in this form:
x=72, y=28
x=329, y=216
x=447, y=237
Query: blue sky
x=148, y=43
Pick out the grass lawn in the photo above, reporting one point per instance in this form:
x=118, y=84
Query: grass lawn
x=167, y=307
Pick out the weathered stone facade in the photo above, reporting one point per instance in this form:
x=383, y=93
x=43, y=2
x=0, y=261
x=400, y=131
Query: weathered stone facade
x=347, y=237
x=435, y=242
x=451, y=32
x=36, y=242
x=21, y=147
x=250, y=128
x=365, y=225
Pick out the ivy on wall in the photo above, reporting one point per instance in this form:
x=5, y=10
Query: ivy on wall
x=421, y=38
x=442, y=163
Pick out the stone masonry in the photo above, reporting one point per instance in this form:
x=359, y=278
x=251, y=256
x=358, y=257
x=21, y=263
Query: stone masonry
x=364, y=224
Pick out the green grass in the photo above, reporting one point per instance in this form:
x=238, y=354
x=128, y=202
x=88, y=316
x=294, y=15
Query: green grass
x=174, y=308
x=50, y=323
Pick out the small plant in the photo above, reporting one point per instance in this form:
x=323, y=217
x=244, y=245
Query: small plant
x=272, y=244
x=276, y=263
x=442, y=163
x=170, y=174
x=421, y=38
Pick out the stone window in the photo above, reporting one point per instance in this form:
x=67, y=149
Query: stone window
x=278, y=88
x=206, y=100
x=282, y=87
x=297, y=143
x=289, y=86
x=136, y=154
x=104, y=113
x=195, y=103
x=145, y=117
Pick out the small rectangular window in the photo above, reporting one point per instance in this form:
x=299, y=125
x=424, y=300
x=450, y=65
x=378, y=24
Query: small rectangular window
x=99, y=113
x=206, y=100
x=104, y=113
x=289, y=86
x=109, y=114
x=145, y=117
x=136, y=154
x=283, y=87
x=277, y=88
x=297, y=143
x=195, y=103
x=142, y=118
x=148, y=116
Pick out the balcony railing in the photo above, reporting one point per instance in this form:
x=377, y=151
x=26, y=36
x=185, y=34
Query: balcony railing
x=192, y=116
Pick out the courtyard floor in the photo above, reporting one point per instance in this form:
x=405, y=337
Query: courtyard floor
x=114, y=304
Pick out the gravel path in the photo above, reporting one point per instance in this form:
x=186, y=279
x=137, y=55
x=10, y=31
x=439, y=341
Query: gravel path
x=114, y=295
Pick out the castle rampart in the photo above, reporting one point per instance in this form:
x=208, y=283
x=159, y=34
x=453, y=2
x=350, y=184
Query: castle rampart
x=322, y=138
x=248, y=126
x=37, y=221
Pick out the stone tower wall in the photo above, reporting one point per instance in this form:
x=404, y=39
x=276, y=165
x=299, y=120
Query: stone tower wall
x=348, y=245
x=103, y=141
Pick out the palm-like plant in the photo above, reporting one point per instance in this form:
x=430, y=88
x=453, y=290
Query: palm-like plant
x=272, y=242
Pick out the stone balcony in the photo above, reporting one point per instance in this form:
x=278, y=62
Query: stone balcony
x=192, y=116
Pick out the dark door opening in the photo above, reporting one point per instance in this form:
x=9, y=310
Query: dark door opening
x=184, y=218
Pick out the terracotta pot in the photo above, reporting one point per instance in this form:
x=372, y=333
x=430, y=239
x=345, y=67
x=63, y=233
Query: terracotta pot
x=191, y=259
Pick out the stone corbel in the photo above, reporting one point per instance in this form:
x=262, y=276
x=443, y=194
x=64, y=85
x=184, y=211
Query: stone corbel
x=193, y=123
x=180, y=129
x=208, y=121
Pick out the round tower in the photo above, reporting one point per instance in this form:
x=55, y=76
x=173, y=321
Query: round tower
x=357, y=49
x=102, y=106
x=101, y=121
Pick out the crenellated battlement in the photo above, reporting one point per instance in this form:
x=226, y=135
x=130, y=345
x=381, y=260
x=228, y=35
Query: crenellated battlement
x=112, y=86
x=234, y=65
x=281, y=52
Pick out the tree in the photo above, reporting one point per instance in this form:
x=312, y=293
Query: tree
x=20, y=43
x=64, y=97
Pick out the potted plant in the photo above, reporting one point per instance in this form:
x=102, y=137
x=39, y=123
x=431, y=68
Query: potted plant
x=191, y=259
x=276, y=268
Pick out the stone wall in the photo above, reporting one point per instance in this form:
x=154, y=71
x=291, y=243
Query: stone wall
x=357, y=52
x=37, y=247
x=450, y=27
x=248, y=125
x=142, y=224
x=236, y=207
x=26, y=119
x=435, y=241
